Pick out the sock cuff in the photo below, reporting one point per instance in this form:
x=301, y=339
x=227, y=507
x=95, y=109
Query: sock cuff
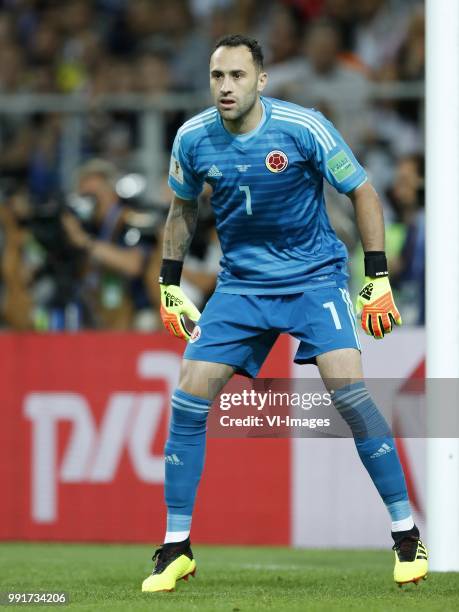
x=399, y=510
x=398, y=536
x=191, y=404
x=349, y=392
x=183, y=396
x=178, y=522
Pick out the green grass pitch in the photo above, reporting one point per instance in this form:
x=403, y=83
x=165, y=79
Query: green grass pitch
x=236, y=579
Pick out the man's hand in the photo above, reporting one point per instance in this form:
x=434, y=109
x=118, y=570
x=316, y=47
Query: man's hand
x=75, y=232
x=376, y=304
x=175, y=306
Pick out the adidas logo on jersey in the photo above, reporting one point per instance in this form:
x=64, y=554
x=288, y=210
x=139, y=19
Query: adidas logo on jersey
x=173, y=460
x=214, y=172
x=367, y=291
x=383, y=450
x=171, y=300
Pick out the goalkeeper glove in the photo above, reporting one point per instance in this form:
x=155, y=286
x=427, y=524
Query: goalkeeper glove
x=375, y=301
x=177, y=311
x=176, y=308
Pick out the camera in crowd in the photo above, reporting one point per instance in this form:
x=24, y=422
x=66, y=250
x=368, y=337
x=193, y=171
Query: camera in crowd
x=43, y=219
x=58, y=278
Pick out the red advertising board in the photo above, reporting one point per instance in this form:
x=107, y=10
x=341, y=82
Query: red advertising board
x=82, y=428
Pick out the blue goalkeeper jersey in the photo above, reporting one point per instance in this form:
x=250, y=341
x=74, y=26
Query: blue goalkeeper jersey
x=268, y=197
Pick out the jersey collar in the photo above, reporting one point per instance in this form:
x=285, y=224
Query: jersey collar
x=244, y=144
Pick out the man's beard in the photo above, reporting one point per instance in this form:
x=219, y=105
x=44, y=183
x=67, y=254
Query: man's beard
x=237, y=115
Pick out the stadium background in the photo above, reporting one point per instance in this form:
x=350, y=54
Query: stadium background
x=84, y=413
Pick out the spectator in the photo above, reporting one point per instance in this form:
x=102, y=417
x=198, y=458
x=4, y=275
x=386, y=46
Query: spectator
x=203, y=9
x=405, y=241
x=139, y=23
x=153, y=78
x=81, y=48
x=308, y=9
x=7, y=34
x=394, y=129
x=411, y=56
x=44, y=160
x=343, y=15
x=153, y=74
x=381, y=28
x=284, y=62
x=112, y=135
x=189, y=47
x=325, y=81
x=410, y=64
x=44, y=46
x=15, y=273
x=39, y=267
x=408, y=266
x=16, y=141
x=12, y=70
x=112, y=281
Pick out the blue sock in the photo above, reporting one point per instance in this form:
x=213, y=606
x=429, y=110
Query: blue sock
x=184, y=455
x=376, y=448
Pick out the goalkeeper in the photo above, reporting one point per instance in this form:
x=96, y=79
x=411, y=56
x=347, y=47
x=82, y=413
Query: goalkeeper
x=283, y=271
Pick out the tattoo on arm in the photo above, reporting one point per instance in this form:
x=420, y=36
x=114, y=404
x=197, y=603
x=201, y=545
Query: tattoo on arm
x=179, y=229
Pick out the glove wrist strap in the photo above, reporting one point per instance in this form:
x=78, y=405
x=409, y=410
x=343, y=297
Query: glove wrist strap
x=376, y=264
x=171, y=271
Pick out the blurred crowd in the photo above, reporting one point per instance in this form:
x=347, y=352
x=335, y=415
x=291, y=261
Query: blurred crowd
x=88, y=257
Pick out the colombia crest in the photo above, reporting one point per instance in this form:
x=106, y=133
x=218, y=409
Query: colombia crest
x=276, y=161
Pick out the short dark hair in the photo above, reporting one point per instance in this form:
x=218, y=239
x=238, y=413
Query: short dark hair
x=236, y=40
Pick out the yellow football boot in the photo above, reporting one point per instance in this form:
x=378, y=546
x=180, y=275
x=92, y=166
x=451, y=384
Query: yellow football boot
x=172, y=562
x=410, y=559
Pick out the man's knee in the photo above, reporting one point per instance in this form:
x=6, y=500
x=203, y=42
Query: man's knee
x=340, y=368
x=203, y=378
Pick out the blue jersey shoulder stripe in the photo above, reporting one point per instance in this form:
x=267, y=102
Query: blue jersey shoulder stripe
x=202, y=114
x=197, y=118
x=313, y=119
x=195, y=126
x=309, y=118
x=326, y=134
x=311, y=129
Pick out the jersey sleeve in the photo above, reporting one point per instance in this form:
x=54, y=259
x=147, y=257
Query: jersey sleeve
x=183, y=180
x=326, y=149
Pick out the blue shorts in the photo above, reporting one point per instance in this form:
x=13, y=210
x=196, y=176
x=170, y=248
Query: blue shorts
x=240, y=330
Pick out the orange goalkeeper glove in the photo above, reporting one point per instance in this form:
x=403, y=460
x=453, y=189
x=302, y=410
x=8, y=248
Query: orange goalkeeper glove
x=375, y=301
